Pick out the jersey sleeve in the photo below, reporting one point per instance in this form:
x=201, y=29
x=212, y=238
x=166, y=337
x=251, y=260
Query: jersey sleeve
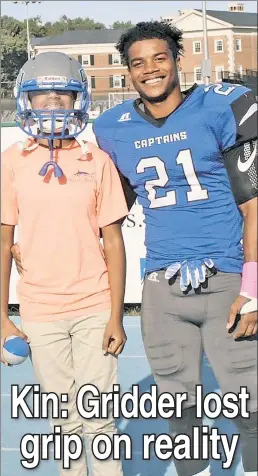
x=241, y=166
x=235, y=128
x=111, y=203
x=9, y=208
x=107, y=143
x=104, y=139
x=240, y=147
x=236, y=115
x=129, y=193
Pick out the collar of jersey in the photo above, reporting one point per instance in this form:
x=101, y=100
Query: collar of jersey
x=143, y=111
x=73, y=145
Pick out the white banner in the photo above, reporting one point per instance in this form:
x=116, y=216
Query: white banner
x=133, y=233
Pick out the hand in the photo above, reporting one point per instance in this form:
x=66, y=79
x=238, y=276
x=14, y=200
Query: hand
x=16, y=254
x=192, y=272
x=8, y=328
x=114, y=337
x=248, y=322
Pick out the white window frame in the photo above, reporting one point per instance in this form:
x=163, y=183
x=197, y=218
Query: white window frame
x=216, y=46
x=197, y=70
x=194, y=50
x=218, y=69
x=85, y=60
x=119, y=77
x=179, y=76
x=116, y=58
x=238, y=41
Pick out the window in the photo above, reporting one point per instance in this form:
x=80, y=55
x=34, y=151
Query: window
x=179, y=76
x=117, y=81
x=218, y=72
x=87, y=60
x=115, y=58
x=218, y=46
x=238, y=45
x=197, y=47
x=92, y=81
x=197, y=74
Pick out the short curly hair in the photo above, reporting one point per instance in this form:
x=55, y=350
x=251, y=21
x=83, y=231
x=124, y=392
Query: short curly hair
x=148, y=31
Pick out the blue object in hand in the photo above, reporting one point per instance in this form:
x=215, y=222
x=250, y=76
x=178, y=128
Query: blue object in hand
x=15, y=350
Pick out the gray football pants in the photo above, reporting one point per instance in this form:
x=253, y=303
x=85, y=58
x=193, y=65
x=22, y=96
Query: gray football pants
x=177, y=328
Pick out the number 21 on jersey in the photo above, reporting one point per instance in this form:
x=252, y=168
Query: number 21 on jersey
x=184, y=158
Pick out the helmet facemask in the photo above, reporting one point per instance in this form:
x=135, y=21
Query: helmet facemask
x=52, y=72
x=52, y=123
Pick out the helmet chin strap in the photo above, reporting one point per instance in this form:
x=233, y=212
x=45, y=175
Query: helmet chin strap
x=28, y=143
x=27, y=146
x=82, y=143
x=71, y=128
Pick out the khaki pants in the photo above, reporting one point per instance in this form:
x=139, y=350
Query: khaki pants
x=67, y=354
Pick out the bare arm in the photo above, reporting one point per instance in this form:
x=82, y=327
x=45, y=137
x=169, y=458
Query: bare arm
x=116, y=265
x=7, y=236
x=248, y=323
x=7, y=326
x=114, y=337
x=249, y=211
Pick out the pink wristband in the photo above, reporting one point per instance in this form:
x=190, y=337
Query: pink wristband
x=249, y=280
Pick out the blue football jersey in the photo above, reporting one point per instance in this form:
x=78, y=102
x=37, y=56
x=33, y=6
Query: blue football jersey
x=177, y=170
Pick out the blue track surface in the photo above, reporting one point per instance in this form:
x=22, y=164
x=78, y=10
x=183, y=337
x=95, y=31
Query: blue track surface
x=133, y=369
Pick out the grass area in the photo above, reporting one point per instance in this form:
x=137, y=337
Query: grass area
x=132, y=310
x=129, y=309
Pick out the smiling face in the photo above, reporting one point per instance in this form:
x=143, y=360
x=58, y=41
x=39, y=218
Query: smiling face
x=153, y=69
x=52, y=99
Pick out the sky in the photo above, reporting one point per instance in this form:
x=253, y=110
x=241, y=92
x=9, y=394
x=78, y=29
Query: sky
x=109, y=11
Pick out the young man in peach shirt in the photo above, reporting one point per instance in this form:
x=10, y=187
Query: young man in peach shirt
x=72, y=289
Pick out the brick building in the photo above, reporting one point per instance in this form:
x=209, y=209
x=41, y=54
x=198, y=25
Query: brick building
x=95, y=50
x=232, y=43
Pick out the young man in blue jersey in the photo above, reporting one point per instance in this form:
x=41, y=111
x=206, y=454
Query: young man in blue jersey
x=190, y=159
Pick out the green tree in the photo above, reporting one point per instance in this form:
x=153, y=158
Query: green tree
x=36, y=27
x=13, y=49
x=14, y=38
x=122, y=25
x=64, y=24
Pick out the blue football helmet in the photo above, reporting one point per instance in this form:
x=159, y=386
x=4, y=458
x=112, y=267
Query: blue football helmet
x=46, y=72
